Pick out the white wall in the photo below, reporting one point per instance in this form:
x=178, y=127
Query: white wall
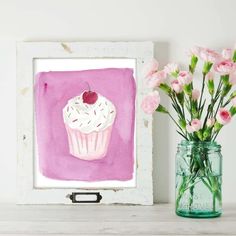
x=173, y=25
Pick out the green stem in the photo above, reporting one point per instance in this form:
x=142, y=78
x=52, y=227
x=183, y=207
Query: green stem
x=216, y=97
x=172, y=118
x=205, y=174
x=226, y=103
x=209, y=111
x=214, y=202
x=219, y=104
x=202, y=91
x=215, y=134
x=214, y=138
x=191, y=108
x=191, y=195
x=184, y=187
x=207, y=185
x=181, y=191
x=175, y=102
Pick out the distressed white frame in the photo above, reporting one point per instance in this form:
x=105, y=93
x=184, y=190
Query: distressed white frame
x=26, y=53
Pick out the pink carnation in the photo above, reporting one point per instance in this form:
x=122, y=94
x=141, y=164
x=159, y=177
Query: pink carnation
x=227, y=53
x=225, y=67
x=176, y=86
x=195, y=126
x=223, y=116
x=156, y=79
x=184, y=77
x=171, y=68
x=151, y=102
x=195, y=51
x=195, y=94
x=209, y=55
x=150, y=68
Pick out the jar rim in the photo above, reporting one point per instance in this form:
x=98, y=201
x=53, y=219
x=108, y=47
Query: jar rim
x=200, y=143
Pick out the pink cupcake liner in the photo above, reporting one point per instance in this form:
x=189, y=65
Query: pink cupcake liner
x=90, y=146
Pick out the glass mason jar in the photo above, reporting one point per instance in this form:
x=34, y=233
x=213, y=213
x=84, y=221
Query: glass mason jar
x=198, y=179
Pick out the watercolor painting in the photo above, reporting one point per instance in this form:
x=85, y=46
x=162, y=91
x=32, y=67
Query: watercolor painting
x=85, y=124
x=88, y=119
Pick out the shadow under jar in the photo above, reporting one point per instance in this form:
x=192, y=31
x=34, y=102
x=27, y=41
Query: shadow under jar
x=198, y=179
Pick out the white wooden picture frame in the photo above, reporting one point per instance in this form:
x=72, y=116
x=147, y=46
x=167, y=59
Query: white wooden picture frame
x=27, y=53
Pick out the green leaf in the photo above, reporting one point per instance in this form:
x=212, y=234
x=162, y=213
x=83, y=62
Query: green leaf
x=234, y=56
x=180, y=97
x=178, y=108
x=217, y=126
x=193, y=64
x=175, y=74
x=206, y=133
x=182, y=135
x=173, y=105
x=199, y=135
x=202, y=108
x=226, y=89
x=233, y=95
x=182, y=123
x=165, y=88
x=162, y=109
x=206, y=67
x=233, y=110
x=211, y=87
x=188, y=89
x=225, y=79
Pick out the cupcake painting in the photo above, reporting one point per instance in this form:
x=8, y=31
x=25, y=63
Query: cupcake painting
x=85, y=125
x=88, y=119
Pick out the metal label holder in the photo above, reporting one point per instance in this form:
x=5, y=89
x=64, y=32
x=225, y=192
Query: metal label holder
x=73, y=197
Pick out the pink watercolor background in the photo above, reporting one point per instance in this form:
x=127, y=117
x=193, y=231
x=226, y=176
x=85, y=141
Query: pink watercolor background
x=52, y=91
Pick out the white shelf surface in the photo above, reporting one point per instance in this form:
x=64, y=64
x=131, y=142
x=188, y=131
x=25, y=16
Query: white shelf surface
x=109, y=220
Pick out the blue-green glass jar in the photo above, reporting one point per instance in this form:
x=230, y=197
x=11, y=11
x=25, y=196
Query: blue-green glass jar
x=198, y=179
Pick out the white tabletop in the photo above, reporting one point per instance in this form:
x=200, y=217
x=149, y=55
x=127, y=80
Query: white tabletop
x=108, y=220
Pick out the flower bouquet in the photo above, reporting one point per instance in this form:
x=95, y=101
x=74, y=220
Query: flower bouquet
x=201, y=113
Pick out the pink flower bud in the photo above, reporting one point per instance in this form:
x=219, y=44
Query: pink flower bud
x=210, y=76
x=151, y=102
x=210, y=122
x=195, y=94
x=176, y=86
x=196, y=124
x=223, y=116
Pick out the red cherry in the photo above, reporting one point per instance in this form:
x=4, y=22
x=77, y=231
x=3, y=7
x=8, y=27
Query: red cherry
x=89, y=97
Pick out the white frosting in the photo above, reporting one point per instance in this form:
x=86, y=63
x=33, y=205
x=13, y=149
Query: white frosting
x=89, y=117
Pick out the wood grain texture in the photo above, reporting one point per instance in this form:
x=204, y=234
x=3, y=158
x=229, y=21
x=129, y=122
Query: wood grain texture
x=110, y=220
x=142, y=52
